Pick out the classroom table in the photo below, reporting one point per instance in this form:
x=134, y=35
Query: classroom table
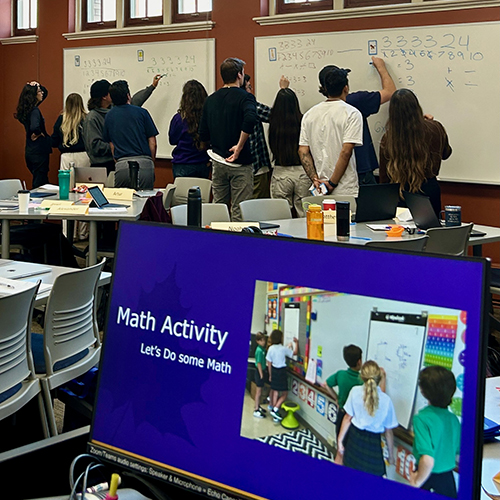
x=50, y=277
x=133, y=212
x=360, y=233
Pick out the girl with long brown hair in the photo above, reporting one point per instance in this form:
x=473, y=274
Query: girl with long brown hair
x=38, y=146
x=412, y=148
x=289, y=180
x=189, y=157
x=369, y=413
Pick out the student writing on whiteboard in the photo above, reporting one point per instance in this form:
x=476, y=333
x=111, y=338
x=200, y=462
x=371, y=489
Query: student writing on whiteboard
x=369, y=413
x=328, y=134
x=345, y=380
x=276, y=366
x=289, y=181
x=368, y=103
x=132, y=134
x=38, y=148
x=189, y=157
x=99, y=104
x=228, y=118
x=412, y=148
x=436, y=444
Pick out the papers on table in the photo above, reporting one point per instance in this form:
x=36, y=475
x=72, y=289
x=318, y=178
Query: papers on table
x=107, y=210
x=379, y=227
x=146, y=193
x=53, y=188
x=403, y=214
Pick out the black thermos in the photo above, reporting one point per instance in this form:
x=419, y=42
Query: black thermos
x=194, y=207
x=133, y=172
x=343, y=220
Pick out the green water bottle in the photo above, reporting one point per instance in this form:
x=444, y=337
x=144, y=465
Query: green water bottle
x=64, y=178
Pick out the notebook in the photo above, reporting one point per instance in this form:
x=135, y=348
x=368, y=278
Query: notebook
x=101, y=201
x=17, y=269
x=423, y=214
x=377, y=202
x=94, y=175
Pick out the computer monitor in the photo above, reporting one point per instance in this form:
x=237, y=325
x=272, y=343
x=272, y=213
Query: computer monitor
x=176, y=381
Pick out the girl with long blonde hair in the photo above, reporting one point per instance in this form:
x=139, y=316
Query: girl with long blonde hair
x=68, y=133
x=369, y=414
x=412, y=148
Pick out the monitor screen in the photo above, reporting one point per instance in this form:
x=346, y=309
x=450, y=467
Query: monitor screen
x=249, y=366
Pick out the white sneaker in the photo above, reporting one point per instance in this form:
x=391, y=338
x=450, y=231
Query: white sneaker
x=258, y=414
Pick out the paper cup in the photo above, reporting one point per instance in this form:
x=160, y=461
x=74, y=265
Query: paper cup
x=23, y=197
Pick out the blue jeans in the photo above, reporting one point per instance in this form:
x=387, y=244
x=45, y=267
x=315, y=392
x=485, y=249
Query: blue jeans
x=201, y=170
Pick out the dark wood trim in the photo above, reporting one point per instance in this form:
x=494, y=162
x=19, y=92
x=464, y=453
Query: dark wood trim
x=21, y=31
x=139, y=21
x=290, y=8
x=188, y=18
x=97, y=25
x=371, y=3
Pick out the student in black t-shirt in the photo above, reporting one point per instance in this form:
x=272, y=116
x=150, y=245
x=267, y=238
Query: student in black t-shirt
x=228, y=118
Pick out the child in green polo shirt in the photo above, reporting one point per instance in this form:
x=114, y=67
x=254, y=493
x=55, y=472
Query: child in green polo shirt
x=260, y=375
x=345, y=379
x=437, y=434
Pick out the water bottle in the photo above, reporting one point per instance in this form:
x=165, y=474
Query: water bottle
x=343, y=220
x=63, y=184
x=133, y=172
x=315, y=223
x=71, y=175
x=194, y=207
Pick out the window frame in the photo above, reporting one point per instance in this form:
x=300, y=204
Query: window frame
x=22, y=31
x=290, y=8
x=352, y=4
x=186, y=18
x=128, y=20
x=89, y=26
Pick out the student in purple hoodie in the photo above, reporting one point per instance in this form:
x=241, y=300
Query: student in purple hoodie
x=189, y=157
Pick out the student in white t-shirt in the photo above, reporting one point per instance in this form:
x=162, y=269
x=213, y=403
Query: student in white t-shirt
x=369, y=413
x=276, y=367
x=329, y=132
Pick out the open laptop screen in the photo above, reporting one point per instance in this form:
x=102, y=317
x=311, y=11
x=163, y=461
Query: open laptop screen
x=176, y=393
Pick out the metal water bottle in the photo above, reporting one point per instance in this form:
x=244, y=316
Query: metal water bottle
x=194, y=207
x=133, y=172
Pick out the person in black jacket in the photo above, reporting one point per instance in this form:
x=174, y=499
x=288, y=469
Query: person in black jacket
x=38, y=147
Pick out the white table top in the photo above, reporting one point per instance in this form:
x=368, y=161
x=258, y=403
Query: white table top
x=360, y=233
x=51, y=276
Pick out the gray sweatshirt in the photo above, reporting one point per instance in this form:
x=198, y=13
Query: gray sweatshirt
x=99, y=151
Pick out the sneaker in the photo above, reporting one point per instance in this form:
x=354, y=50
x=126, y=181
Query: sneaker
x=276, y=420
x=262, y=410
x=275, y=413
x=270, y=407
x=258, y=414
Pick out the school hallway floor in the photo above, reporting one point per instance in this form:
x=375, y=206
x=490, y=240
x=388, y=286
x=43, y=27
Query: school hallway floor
x=267, y=431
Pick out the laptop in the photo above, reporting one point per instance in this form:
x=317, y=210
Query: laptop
x=18, y=269
x=100, y=201
x=93, y=175
x=423, y=214
x=377, y=202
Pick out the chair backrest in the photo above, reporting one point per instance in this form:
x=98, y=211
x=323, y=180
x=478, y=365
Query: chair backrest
x=168, y=195
x=184, y=183
x=307, y=200
x=110, y=181
x=9, y=188
x=263, y=209
x=210, y=212
x=451, y=240
x=70, y=318
x=415, y=244
x=16, y=362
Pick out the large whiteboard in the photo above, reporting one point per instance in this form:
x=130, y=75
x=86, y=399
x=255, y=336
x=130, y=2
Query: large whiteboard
x=179, y=61
x=454, y=70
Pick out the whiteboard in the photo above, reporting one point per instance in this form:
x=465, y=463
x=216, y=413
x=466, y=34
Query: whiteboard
x=179, y=61
x=453, y=69
x=397, y=347
x=291, y=322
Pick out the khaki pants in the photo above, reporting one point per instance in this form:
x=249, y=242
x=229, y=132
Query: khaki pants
x=292, y=184
x=232, y=185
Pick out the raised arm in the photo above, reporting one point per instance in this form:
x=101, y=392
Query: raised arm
x=388, y=85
